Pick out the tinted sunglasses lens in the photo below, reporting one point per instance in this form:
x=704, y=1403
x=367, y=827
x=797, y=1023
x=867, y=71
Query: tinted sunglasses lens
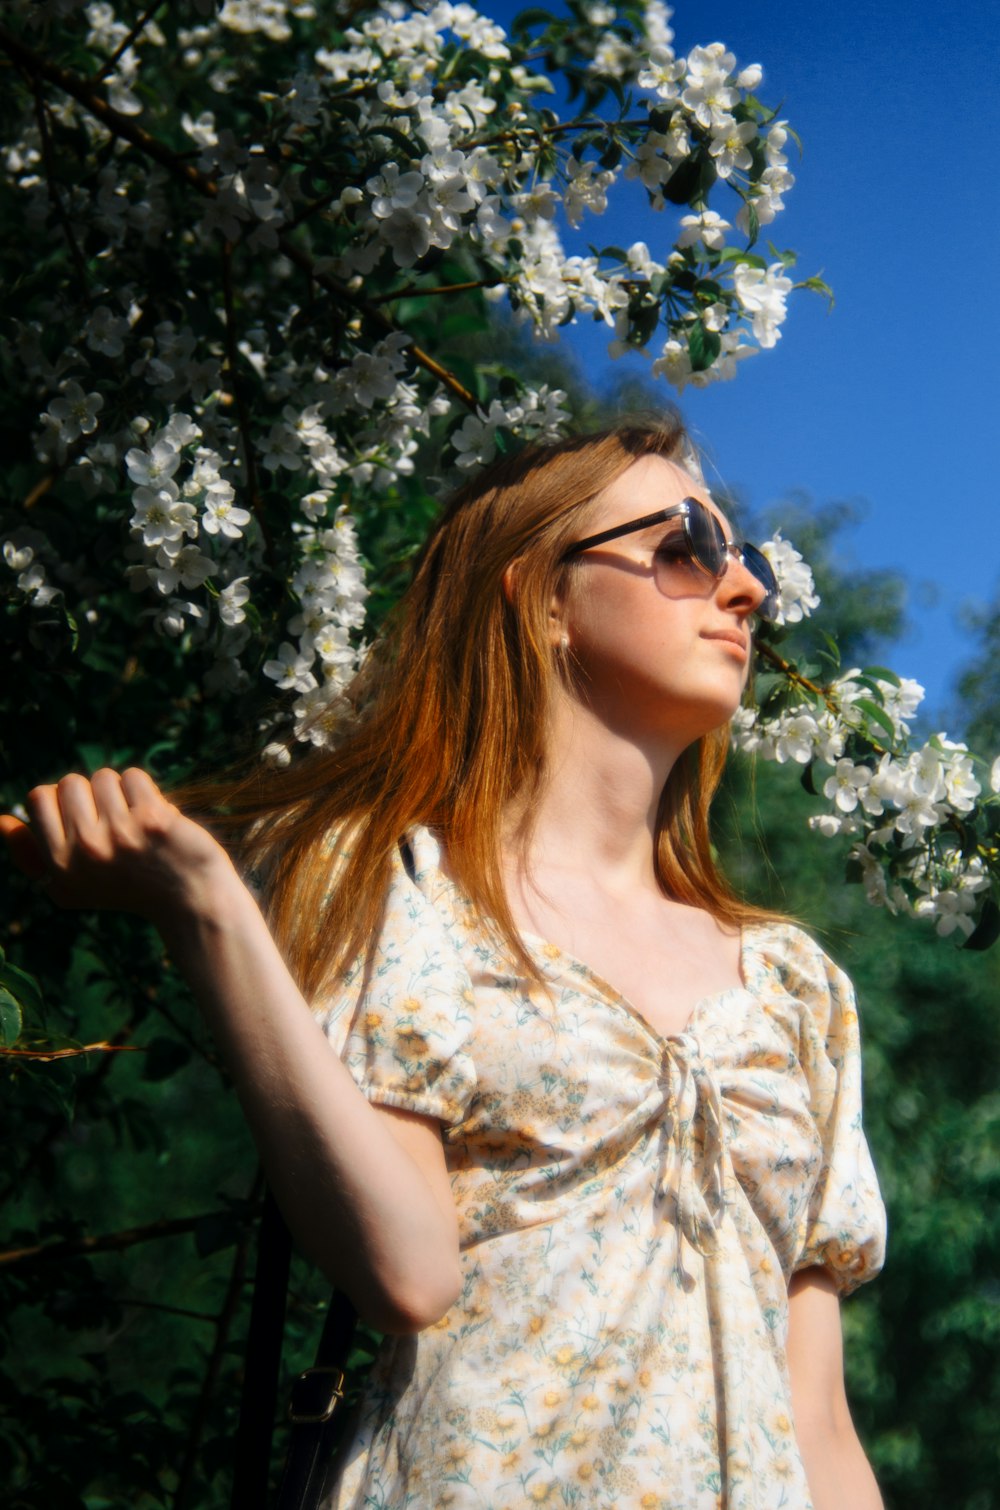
x=760, y=567
x=705, y=537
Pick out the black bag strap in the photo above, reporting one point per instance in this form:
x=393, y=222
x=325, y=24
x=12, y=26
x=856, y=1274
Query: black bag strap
x=313, y=1411
x=315, y=1394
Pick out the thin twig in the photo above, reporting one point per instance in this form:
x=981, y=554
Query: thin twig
x=55, y=1124
x=39, y=490
x=768, y=653
x=158, y=1305
x=55, y=198
x=126, y=129
x=223, y=1327
x=548, y=133
x=126, y=43
x=46, y=1056
x=414, y=291
x=795, y=676
x=242, y=412
x=106, y=1242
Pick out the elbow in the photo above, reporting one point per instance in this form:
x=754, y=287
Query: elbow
x=414, y=1307
x=405, y=1300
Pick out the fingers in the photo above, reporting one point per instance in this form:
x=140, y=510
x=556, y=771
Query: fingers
x=47, y=819
x=75, y=814
x=110, y=798
x=23, y=847
x=139, y=787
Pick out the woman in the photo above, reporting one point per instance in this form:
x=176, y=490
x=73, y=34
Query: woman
x=604, y=1227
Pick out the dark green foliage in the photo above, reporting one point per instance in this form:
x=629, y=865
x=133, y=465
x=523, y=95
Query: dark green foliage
x=122, y=1347
x=922, y=1341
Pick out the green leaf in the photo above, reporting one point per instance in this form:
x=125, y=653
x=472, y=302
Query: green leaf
x=22, y=986
x=883, y=674
x=704, y=346
x=817, y=286
x=533, y=16
x=620, y=98
x=683, y=182
x=988, y=929
x=787, y=259
x=765, y=684
x=876, y=714
x=10, y=1019
x=807, y=780
x=733, y=254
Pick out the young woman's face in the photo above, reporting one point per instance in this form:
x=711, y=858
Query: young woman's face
x=655, y=643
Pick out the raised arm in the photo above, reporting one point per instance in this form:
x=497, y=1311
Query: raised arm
x=364, y=1190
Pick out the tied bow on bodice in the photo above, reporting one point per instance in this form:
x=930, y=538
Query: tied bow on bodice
x=692, y=1143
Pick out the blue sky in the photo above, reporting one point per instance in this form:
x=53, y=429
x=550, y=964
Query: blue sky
x=891, y=400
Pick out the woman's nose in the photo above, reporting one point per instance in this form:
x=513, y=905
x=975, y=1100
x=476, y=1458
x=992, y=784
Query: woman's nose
x=738, y=583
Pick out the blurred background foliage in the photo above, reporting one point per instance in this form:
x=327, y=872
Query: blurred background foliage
x=132, y=1174
x=129, y=1184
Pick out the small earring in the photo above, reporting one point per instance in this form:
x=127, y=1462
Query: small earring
x=564, y=642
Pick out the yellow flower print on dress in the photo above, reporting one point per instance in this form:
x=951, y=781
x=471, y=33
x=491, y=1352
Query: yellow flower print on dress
x=631, y=1210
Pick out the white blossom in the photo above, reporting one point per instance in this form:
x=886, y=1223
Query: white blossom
x=845, y=785
x=222, y=517
x=232, y=601
x=74, y=413
x=797, y=596
x=290, y=669
x=762, y=294
x=707, y=226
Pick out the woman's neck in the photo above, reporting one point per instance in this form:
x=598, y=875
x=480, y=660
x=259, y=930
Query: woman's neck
x=595, y=813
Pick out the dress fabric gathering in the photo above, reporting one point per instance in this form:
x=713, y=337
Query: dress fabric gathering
x=631, y=1209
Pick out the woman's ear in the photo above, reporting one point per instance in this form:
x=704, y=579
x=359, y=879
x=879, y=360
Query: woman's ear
x=558, y=634
x=557, y=606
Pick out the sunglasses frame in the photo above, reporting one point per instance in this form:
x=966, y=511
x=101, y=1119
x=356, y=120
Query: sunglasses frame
x=749, y=556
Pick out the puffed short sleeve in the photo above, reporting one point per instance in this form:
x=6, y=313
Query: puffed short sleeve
x=844, y=1225
x=403, y=1026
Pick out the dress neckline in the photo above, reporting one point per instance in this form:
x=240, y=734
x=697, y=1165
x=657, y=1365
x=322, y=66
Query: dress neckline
x=542, y=950
x=427, y=858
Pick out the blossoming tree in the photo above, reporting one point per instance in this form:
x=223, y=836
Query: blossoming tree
x=259, y=220
x=248, y=254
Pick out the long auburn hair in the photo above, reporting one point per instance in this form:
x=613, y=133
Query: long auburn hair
x=450, y=727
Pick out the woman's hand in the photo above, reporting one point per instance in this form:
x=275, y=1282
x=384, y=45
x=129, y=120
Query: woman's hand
x=364, y=1188
x=114, y=841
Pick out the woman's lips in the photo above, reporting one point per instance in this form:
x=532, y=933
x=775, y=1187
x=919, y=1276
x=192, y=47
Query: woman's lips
x=732, y=637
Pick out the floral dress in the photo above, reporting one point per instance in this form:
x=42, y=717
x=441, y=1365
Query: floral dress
x=631, y=1209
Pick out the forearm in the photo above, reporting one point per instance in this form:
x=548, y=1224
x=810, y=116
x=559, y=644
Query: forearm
x=837, y=1470
x=357, y=1203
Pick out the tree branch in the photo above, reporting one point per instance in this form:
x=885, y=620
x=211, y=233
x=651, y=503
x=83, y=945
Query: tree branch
x=55, y=198
x=223, y=1327
x=106, y=1242
x=794, y=675
x=158, y=1305
x=768, y=653
x=126, y=129
x=46, y=1056
x=239, y=398
x=126, y=43
x=414, y=291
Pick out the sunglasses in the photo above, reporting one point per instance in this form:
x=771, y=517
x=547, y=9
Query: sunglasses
x=704, y=544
